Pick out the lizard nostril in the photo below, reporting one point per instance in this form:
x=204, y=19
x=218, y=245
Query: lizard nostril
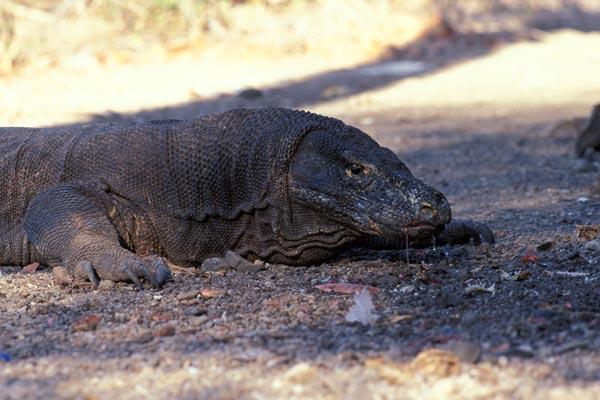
x=427, y=212
x=439, y=197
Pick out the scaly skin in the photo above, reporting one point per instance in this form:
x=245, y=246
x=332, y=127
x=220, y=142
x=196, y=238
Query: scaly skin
x=111, y=201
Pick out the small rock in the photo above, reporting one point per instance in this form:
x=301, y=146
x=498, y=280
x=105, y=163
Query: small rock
x=591, y=154
x=188, y=295
x=195, y=310
x=250, y=94
x=583, y=200
x=106, y=285
x=62, y=276
x=543, y=313
x=197, y=321
x=447, y=299
x=86, y=324
x=545, y=245
x=530, y=284
x=523, y=275
x=253, y=354
x=167, y=330
x=144, y=337
x=467, y=351
x=214, y=264
x=384, y=279
x=592, y=245
x=583, y=165
x=240, y=264
x=436, y=362
x=209, y=293
x=521, y=351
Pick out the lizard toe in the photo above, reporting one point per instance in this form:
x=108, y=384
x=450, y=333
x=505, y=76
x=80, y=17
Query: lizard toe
x=163, y=274
x=86, y=270
x=124, y=268
x=141, y=270
x=485, y=233
x=133, y=277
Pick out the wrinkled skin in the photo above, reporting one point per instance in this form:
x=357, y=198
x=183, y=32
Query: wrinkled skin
x=365, y=187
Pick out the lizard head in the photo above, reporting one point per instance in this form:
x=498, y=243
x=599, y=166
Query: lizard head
x=349, y=179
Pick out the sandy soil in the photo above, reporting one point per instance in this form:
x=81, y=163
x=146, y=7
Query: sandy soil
x=517, y=319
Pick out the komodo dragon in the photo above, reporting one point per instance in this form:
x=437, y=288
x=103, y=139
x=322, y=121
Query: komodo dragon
x=108, y=201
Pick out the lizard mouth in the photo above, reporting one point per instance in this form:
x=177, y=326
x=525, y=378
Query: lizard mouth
x=420, y=229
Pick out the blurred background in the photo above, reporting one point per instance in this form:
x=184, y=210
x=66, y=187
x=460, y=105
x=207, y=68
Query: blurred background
x=66, y=60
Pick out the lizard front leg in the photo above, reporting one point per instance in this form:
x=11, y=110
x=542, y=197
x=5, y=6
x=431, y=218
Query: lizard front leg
x=68, y=226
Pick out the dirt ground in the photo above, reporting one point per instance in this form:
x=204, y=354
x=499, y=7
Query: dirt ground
x=477, y=118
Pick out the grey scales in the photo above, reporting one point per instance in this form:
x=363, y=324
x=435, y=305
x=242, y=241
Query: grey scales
x=112, y=201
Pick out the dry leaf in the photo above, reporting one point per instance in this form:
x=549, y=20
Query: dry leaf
x=30, y=268
x=208, y=293
x=89, y=323
x=587, y=232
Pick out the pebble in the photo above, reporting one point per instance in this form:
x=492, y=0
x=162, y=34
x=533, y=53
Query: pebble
x=106, y=285
x=583, y=200
x=466, y=351
x=144, y=337
x=188, y=295
x=240, y=264
x=437, y=363
x=546, y=245
x=62, y=275
x=590, y=154
x=195, y=310
x=582, y=165
x=592, y=245
x=521, y=351
x=214, y=264
x=250, y=94
x=163, y=331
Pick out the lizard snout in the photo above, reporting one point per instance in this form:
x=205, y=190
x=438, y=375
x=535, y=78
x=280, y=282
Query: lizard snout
x=435, y=210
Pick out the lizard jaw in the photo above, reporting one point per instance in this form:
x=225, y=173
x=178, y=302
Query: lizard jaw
x=421, y=229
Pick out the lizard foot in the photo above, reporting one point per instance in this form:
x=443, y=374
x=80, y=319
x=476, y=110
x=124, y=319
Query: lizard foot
x=127, y=268
x=465, y=231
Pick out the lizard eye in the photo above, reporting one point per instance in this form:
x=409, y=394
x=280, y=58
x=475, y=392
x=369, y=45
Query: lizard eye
x=355, y=170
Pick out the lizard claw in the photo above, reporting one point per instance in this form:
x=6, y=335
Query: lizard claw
x=129, y=268
x=163, y=274
x=134, y=278
x=136, y=268
x=86, y=269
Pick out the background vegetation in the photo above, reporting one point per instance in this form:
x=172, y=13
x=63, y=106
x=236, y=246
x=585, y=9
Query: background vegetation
x=49, y=32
